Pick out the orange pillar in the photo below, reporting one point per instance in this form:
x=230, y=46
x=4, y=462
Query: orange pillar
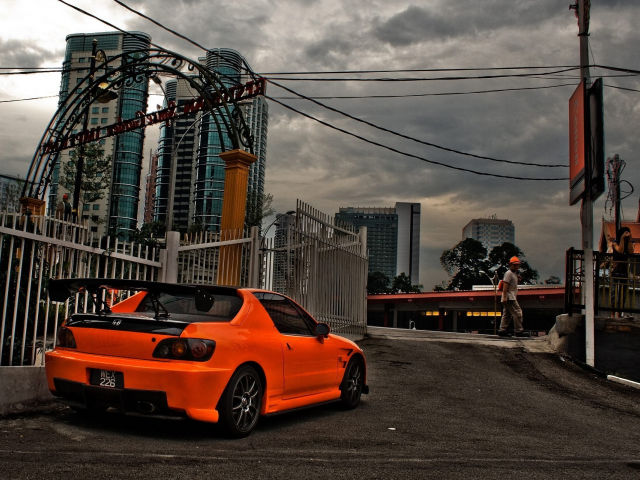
x=234, y=204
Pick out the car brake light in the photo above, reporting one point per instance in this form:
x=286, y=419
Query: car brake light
x=65, y=338
x=198, y=349
x=193, y=349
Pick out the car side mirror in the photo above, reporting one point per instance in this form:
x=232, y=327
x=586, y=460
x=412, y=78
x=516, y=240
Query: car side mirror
x=322, y=330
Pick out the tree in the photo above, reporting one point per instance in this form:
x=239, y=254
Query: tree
x=377, y=282
x=149, y=234
x=258, y=208
x=464, y=264
x=96, y=173
x=553, y=280
x=499, y=260
x=402, y=284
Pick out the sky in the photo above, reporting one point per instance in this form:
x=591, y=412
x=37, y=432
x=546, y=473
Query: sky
x=328, y=169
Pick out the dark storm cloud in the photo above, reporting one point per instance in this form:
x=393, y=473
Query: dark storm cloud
x=417, y=24
x=23, y=53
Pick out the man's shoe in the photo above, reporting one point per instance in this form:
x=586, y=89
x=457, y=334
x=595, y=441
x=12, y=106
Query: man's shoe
x=523, y=334
x=503, y=333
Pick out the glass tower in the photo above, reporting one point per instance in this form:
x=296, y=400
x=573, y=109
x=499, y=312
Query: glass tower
x=119, y=208
x=195, y=142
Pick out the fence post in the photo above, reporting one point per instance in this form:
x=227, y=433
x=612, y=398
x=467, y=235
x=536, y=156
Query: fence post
x=169, y=258
x=589, y=309
x=254, y=259
x=363, y=240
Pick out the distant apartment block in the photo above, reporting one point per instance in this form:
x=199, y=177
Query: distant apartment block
x=491, y=232
x=393, y=237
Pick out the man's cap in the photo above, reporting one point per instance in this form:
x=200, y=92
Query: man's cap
x=514, y=260
x=65, y=196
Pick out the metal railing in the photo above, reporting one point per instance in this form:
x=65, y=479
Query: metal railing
x=322, y=266
x=36, y=248
x=616, y=282
x=318, y=263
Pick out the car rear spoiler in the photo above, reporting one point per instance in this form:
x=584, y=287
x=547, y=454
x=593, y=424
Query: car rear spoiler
x=61, y=290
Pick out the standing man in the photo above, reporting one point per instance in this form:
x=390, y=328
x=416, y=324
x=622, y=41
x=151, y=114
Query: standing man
x=63, y=211
x=512, y=309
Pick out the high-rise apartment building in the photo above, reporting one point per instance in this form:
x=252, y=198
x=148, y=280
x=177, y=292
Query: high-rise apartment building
x=194, y=143
x=119, y=207
x=491, y=232
x=393, y=237
x=150, y=187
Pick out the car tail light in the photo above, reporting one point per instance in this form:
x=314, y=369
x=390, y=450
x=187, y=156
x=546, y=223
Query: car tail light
x=193, y=349
x=65, y=338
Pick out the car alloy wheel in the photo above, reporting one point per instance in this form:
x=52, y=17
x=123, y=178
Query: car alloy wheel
x=352, y=383
x=240, y=404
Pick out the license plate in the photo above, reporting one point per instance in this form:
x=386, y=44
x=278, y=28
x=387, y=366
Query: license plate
x=107, y=378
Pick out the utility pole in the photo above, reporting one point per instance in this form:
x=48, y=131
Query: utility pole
x=85, y=126
x=583, y=7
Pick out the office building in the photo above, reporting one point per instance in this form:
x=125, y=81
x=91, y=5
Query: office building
x=491, y=232
x=393, y=237
x=150, y=187
x=119, y=206
x=194, y=143
x=10, y=193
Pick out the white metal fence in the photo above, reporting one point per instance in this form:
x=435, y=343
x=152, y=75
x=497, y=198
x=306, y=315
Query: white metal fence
x=323, y=266
x=36, y=248
x=318, y=263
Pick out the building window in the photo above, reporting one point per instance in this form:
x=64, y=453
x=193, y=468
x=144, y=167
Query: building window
x=105, y=110
x=94, y=121
x=102, y=142
x=95, y=109
x=85, y=206
x=78, y=80
x=82, y=59
x=96, y=206
x=94, y=229
x=103, y=120
x=85, y=217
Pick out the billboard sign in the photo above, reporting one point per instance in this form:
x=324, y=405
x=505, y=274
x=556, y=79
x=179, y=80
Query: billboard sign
x=577, y=144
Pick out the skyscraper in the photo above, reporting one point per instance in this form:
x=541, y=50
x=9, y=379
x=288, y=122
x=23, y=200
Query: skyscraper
x=393, y=237
x=491, y=232
x=195, y=144
x=119, y=207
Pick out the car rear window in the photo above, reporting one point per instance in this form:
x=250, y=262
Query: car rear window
x=182, y=306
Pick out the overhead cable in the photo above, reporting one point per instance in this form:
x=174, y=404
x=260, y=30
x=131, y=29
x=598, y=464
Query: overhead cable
x=413, y=139
x=406, y=154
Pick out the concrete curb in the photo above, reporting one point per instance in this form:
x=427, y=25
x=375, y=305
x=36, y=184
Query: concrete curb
x=21, y=386
x=624, y=381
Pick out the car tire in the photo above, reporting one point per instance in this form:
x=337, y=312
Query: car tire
x=239, y=405
x=352, y=384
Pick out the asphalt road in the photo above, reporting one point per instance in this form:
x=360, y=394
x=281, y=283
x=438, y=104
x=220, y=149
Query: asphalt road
x=437, y=408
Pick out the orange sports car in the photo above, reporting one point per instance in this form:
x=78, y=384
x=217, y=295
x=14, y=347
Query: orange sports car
x=215, y=354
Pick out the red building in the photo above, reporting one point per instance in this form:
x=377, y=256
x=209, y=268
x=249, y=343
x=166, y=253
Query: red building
x=466, y=311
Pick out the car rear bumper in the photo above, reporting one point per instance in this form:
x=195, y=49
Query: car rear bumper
x=151, y=387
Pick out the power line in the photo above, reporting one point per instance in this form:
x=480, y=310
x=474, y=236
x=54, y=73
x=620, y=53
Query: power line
x=420, y=79
x=429, y=94
x=345, y=131
x=413, y=139
x=401, y=70
x=25, y=99
x=372, y=142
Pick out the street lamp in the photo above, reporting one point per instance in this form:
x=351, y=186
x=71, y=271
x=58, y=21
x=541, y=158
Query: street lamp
x=494, y=282
x=278, y=217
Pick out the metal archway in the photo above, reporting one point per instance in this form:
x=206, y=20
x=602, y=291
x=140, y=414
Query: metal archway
x=123, y=71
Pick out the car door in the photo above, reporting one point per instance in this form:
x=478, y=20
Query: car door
x=310, y=363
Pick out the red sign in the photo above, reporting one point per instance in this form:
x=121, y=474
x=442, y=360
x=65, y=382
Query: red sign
x=237, y=93
x=576, y=136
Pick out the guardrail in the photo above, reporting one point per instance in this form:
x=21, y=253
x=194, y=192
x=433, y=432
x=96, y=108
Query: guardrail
x=616, y=281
